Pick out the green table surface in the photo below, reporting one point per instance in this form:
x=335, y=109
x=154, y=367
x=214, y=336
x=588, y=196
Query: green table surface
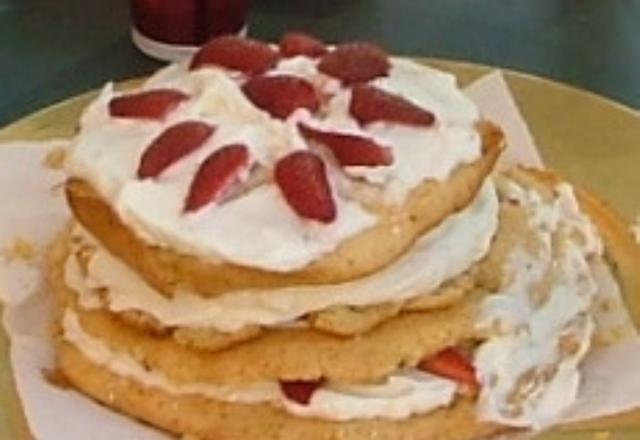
x=52, y=49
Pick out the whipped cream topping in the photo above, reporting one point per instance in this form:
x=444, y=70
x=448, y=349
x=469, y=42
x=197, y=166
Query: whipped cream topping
x=401, y=395
x=419, y=153
x=107, y=152
x=541, y=319
x=239, y=230
x=440, y=255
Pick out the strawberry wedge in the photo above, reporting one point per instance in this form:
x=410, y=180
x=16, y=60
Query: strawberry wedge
x=302, y=179
x=236, y=53
x=348, y=149
x=173, y=144
x=281, y=95
x=452, y=364
x=216, y=175
x=297, y=43
x=355, y=63
x=151, y=104
x=371, y=104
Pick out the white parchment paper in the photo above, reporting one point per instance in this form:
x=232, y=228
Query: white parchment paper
x=33, y=210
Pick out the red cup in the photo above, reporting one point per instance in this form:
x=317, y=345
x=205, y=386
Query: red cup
x=172, y=29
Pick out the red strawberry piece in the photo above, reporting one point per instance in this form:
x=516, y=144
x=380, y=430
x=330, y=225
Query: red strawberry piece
x=349, y=149
x=371, y=104
x=174, y=143
x=281, y=95
x=216, y=174
x=355, y=63
x=236, y=53
x=302, y=179
x=300, y=391
x=297, y=43
x=152, y=104
x=450, y=363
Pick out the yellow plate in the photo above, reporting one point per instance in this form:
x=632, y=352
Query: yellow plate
x=592, y=141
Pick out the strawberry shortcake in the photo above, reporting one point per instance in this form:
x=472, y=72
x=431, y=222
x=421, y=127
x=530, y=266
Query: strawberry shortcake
x=309, y=241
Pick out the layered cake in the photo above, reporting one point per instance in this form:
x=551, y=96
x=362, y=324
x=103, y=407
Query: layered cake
x=309, y=241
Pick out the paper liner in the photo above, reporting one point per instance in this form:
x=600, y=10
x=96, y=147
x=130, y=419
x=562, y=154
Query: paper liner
x=34, y=211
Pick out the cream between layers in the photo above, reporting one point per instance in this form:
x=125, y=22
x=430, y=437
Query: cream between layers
x=440, y=255
x=542, y=318
x=528, y=367
x=403, y=394
x=107, y=152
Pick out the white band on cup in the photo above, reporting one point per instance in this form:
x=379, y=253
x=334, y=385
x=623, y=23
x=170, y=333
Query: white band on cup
x=165, y=51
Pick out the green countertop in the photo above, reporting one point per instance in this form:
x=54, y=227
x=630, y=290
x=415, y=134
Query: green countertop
x=54, y=49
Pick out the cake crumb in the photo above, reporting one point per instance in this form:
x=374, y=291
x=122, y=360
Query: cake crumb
x=55, y=158
x=611, y=336
x=56, y=378
x=617, y=335
x=602, y=435
x=635, y=229
x=20, y=250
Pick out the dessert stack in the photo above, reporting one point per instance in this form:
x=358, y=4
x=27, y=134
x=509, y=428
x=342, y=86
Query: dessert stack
x=309, y=241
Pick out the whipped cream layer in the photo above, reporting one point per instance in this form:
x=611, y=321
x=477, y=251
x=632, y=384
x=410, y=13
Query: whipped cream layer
x=541, y=320
x=539, y=325
x=403, y=394
x=107, y=152
x=438, y=256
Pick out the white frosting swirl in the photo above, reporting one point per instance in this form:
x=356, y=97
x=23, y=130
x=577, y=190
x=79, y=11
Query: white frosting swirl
x=529, y=370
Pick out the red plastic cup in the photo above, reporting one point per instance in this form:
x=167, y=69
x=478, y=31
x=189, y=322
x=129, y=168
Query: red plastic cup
x=173, y=29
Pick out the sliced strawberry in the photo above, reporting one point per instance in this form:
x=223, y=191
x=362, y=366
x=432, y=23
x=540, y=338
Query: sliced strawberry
x=349, y=149
x=216, y=175
x=152, y=104
x=281, y=95
x=371, y=104
x=450, y=363
x=236, y=53
x=174, y=143
x=300, y=391
x=302, y=179
x=355, y=63
x=297, y=43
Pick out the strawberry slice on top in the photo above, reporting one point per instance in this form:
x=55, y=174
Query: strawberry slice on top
x=216, y=175
x=371, y=104
x=355, y=63
x=452, y=364
x=171, y=145
x=150, y=104
x=236, y=53
x=281, y=95
x=298, y=43
x=349, y=149
x=302, y=179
